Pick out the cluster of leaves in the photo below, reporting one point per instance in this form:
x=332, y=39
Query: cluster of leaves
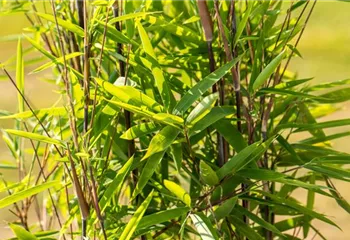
x=173, y=122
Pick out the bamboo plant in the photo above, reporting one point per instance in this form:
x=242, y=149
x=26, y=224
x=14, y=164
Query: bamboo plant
x=173, y=121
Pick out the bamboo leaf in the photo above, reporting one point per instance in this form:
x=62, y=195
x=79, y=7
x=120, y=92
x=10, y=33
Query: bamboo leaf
x=178, y=191
x=130, y=95
x=162, y=216
x=147, y=172
x=173, y=28
x=244, y=228
x=241, y=210
x=20, y=76
x=204, y=228
x=21, y=233
x=298, y=207
x=162, y=85
x=35, y=137
x=131, y=16
x=243, y=22
x=176, y=153
x=268, y=71
x=202, y=107
x=260, y=174
x=231, y=134
x=140, y=130
x=161, y=141
x=63, y=23
x=19, y=196
x=114, y=187
x=225, y=209
x=200, y=88
x=136, y=218
x=215, y=114
x=243, y=158
x=208, y=175
x=55, y=111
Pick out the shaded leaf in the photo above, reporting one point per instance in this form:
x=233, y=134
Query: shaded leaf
x=136, y=218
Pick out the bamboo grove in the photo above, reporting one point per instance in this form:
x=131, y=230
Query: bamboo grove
x=173, y=120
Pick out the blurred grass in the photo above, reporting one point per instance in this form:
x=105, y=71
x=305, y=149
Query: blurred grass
x=325, y=47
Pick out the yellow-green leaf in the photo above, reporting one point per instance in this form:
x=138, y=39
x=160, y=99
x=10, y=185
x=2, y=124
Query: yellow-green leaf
x=35, y=136
x=136, y=218
x=178, y=191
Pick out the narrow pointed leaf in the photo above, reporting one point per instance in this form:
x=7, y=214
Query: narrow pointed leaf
x=151, y=165
x=114, y=187
x=178, y=191
x=140, y=130
x=63, y=23
x=268, y=71
x=162, y=140
x=21, y=233
x=20, y=76
x=204, y=231
x=162, y=85
x=201, y=107
x=136, y=218
x=200, y=88
x=35, y=137
x=130, y=95
x=19, y=196
x=208, y=175
x=162, y=216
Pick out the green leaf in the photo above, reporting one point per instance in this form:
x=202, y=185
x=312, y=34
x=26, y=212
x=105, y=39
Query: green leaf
x=136, y=218
x=322, y=125
x=215, y=114
x=225, y=209
x=173, y=28
x=113, y=34
x=243, y=23
x=298, y=207
x=19, y=196
x=178, y=191
x=151, y=164
x=162, y=140
x=21, y=233
x=208, y=175
x=330, y=171
x=140, y=130
x=162, y=85
x=339, y=198
x=169, y=118
x=162, y=216
x=130, y=95
x=57, y=61
x=20, y=76
x=201, y=87
x=231, y=134
x=63, y=23
x=244, y=228
x=113, y=189
x=55, y=111
x=176, y=153
x=241, y=210
x=268, y=71
x=243, y=158
x=260, y=174
x=35, y=137
x=204, y=228
x=202, y=107
x=130, y=16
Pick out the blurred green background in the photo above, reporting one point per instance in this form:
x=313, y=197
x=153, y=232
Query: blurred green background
x=325, y=48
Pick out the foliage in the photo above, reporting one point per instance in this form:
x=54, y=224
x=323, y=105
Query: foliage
x=174, y=121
